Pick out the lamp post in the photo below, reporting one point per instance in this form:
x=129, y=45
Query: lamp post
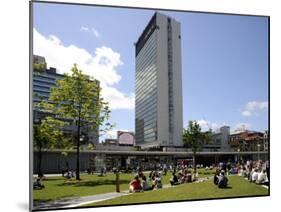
x=239, y=156
x=259, y=151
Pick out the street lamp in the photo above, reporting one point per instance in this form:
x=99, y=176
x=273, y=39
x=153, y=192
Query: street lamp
x=259, y=151
x=239, y=156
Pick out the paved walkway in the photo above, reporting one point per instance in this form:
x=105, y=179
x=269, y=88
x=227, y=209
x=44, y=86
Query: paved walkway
x=77, y=201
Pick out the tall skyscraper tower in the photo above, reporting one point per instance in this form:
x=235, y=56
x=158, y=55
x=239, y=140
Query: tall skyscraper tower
x=158, y=84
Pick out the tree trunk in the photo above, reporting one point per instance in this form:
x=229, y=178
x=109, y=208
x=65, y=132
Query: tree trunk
x=117, y=181
x=40, y=174
x=78, y=151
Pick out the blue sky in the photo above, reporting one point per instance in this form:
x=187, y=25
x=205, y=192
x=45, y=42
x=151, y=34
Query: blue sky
x=224, y=60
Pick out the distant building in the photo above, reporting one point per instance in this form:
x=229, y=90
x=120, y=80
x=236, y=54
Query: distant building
x=247, y=141
x=125, y=138
x=158, y=84
x=219, y=140
x=110, y=141
x=38, y=59
x=43, y=80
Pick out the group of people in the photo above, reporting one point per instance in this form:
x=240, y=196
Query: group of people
x=220, y=178
x=184, y=176
x=38, y=185
x=140, y=182
x=256, y=172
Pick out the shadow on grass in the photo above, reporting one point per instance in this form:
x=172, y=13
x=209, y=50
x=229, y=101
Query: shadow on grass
x=228, y=187
x=93, y=183
x=53, y=179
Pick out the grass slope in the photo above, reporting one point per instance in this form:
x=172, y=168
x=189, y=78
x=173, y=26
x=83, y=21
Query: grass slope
x=58, y=187
x=206, y=190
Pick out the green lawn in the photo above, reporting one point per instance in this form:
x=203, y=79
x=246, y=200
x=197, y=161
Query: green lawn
x=58, y=187
x=204, y=190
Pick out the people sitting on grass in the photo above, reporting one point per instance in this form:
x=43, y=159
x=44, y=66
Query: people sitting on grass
x=216, y=177
x=135, y=185
x=181, y=178
x=254, y=176
x=153, y=181
x=64, y=171
x=144, y=183
x=157, y=182
x=102, y=171
x=150, y=175
x=233, y=170
x=184, y=176
x=37, y=185
x=69, y=174
x=188, y=177
x=243, y=172
x=90, y=170
x=174, y=179
x=222, y=183
x=262, y=178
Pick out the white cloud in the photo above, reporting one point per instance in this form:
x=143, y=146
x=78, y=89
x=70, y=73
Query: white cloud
x=242, y=126
x=117, y=99
x=254, y=107
x=96, y=33
x=102, y=65
x=206, y=125
x=246, y=113
x=92, y=30
x=83, y=28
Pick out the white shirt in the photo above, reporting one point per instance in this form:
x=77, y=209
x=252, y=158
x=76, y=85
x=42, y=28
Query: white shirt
x=261, y=177
x=255, y=176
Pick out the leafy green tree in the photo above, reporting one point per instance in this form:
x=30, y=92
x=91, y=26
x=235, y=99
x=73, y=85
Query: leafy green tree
x=47, y=135
x=76, y=98
x=39, y=67
x=90, y=147
x=195, y=139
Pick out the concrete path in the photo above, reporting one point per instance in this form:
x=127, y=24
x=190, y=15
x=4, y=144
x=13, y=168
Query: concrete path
x=77, y=201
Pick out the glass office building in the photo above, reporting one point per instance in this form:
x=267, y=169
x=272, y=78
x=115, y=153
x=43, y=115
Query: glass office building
x=158, y=111
x=43, y=82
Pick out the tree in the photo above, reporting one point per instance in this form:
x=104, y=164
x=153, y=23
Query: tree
x=76, y=99
x=195, y=139
x=46, y=136
x=39, y=67
x=90, y=147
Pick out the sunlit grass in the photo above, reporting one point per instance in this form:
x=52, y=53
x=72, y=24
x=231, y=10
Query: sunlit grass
x=205, y=190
